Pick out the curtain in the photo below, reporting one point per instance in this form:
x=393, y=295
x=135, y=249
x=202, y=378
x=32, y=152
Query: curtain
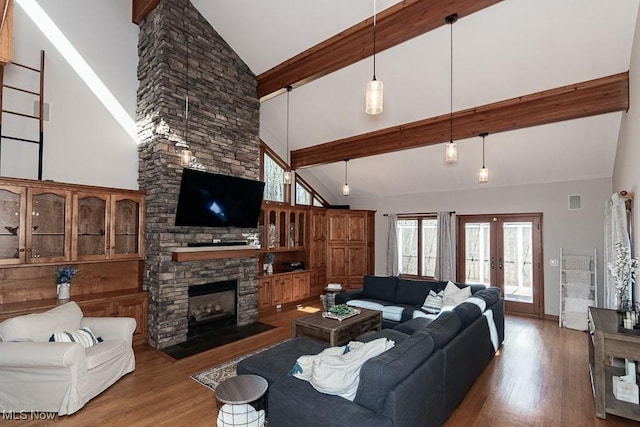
x=445, y=256
x=393, y=268
x=615, y=230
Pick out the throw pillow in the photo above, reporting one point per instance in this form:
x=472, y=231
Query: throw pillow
x=433, y=303
x=83, y=336
x=453, y=295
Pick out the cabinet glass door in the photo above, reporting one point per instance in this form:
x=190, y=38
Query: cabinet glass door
x=125, y=241
x=91, y=226
x=48, y=225
x=12, y=214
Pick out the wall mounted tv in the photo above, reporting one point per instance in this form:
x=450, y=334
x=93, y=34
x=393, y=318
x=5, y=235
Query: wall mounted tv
x=213, y=200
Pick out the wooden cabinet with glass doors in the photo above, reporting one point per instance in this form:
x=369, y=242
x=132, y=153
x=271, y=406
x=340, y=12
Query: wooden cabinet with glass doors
x=46, y=224
x=36, y=225
x=107, y=226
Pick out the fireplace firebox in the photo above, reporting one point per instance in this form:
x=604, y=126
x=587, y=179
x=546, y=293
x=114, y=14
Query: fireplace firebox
x=212, y=306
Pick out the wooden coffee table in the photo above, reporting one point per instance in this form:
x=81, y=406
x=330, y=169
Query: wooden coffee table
x=336, y=332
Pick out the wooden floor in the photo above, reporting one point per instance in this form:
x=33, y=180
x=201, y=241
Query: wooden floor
x=539, y=378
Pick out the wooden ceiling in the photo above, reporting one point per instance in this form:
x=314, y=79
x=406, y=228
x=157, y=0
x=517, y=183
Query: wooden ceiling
x=398, y=24
x=589, y=98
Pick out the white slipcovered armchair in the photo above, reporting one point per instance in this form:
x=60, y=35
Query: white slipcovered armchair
x=38, y=375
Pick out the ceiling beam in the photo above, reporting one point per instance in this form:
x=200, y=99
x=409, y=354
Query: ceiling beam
x=141, y=8
x=397, y=24
x=593, y=97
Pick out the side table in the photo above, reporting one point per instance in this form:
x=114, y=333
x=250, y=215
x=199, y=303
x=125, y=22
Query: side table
x=242, y=401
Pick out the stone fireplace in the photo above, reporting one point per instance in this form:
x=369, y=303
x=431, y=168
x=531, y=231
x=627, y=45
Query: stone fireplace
x=223, y=134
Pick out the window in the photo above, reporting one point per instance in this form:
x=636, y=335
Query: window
x=417, y=245
x=306, y=195
x=303, y=196
x=274, y=188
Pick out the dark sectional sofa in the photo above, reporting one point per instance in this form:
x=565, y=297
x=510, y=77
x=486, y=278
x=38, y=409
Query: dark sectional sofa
x=400, y=298
x=418, y=382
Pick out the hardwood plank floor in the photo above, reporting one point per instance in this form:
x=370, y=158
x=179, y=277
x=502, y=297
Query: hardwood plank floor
x=539, y=378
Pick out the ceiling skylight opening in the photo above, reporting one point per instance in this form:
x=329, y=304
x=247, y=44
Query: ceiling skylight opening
x=79, y=65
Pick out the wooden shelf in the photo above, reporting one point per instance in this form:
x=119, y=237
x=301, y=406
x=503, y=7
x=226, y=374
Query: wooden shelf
x=213, y=252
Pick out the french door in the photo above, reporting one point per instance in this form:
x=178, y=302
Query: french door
x=503, y=250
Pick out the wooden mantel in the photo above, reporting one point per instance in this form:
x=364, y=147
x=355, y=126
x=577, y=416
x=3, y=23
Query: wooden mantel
x=213, y=252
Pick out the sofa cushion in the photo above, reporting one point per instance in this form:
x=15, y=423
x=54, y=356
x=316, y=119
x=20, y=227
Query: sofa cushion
x=39, y=327
x=104, y=352
x=413, y=325
x=380, y=288
x=413, y=292
x=390, y=334
x=491, y=295
x=381, y=374
x=392, y=312
x=361, y=303
x=444, y=328
x=467, y=312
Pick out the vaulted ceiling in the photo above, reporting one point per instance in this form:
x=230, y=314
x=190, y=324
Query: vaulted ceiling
x=501, y=51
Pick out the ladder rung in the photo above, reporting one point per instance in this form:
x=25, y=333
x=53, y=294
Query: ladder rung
x=20, y=139
x=22, y=90
x=25, y=66
x=29, y=116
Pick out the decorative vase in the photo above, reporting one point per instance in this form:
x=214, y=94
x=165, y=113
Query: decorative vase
x=63, y=290
x=627, y=315
x=269, y=268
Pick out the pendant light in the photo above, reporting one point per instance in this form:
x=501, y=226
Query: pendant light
x=287, y=173
x=182, y=147
x=483, y=176
x=345, y=187
x=374, y=94
x=451, y=151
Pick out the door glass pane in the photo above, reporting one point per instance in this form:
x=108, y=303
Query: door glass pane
x=477, y=253
x=518, y=265
x=429, y=246
x=10, y=219
x=91, y=226
x=48, y=225
x=126, y=226
x=408, y=246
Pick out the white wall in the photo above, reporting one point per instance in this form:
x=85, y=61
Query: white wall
x=83, y=143
x=576, y=231
x=626, y=173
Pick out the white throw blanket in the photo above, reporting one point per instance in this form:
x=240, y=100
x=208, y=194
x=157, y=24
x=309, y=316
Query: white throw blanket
x=335, y=372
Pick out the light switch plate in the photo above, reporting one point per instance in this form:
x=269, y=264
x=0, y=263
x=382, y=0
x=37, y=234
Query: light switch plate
x=554, y=263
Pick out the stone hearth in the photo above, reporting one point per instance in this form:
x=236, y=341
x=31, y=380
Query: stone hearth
x=223, y=133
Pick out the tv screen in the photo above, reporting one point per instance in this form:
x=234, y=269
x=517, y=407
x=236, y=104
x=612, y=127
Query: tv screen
x=213, y=200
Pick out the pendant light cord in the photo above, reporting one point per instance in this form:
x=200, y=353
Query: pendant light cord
x=374, y=39
x=346, y=163
x=288, y=92
x=483, y=135
x=483, y=151
x=451, y=21
x=186, y=85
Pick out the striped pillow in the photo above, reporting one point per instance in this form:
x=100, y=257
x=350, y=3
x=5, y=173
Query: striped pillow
x=83, y=336
x=433, y=303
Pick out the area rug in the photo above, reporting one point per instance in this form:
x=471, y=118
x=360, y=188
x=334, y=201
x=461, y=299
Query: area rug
x=212, y=377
